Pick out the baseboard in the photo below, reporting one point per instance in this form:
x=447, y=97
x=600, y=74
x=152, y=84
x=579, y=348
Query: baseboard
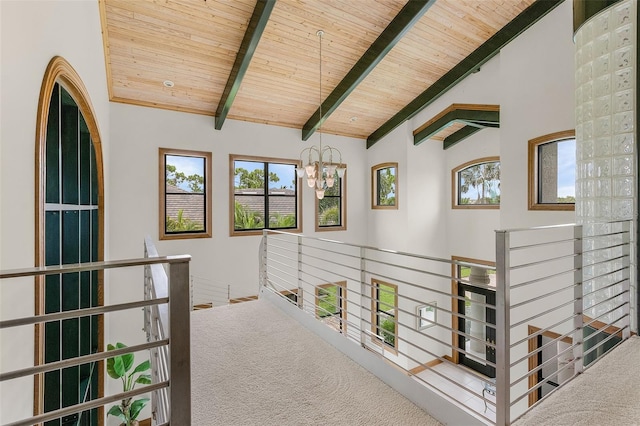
x=422, y=367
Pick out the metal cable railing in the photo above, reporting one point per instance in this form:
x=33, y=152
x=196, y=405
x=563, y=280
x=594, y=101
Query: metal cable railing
x=555, y=301
x=166, y=307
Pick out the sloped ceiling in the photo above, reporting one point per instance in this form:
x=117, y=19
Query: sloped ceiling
x=382, y=60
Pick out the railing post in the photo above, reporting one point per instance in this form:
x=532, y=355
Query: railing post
x=626, y=284
x=578, y=301
x=262, y=261
x=363, y=289
x=300, y=296
x=179, y=344
x=503, y=330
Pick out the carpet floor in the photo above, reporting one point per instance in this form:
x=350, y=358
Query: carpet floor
x=254, y=365
x=608, y=393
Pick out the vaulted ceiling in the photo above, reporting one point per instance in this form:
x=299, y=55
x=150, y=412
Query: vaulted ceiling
x=382, y=60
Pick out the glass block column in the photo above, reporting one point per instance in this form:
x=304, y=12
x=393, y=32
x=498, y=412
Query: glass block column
x=606, y=151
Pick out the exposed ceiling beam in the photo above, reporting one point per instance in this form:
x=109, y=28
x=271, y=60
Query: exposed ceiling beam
x=459, y=136
x=256, y=26
x=477, y=116
x=392, y=34
x=468, y=65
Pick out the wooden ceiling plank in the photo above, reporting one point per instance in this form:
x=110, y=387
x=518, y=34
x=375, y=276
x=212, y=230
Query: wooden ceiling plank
x=471, y=63
x=252, y=36
x=392, y=34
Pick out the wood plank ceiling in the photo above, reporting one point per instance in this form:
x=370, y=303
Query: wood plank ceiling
x=194, y=44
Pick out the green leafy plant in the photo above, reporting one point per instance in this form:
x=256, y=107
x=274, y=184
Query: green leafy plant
x=182, y=224
x=118, y=368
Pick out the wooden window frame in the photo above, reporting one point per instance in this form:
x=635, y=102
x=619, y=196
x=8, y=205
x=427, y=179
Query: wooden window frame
x=238, y=157
x=343, y=303
x=533, y=171
x=375, y=285
x=207, y=232
x=343, y=208
x=59, y=71
x=455, y=354
x=374, y=186
x=454, y=184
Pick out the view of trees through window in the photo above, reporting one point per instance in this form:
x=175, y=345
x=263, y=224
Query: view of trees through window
x=185, y=193
x=264, y=203
x=330, y=207
x=479, y=184
x=386, y=179
x=385, y=297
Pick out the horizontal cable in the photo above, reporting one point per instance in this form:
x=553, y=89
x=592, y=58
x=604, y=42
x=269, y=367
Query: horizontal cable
x=541, y=314
x=542, y=296
x=543, y=261
x=544, y=330
x=80, y=313
x=537, y=280
x=607, y=287
x=43, y=368
x=548, y=243
x=51, y=415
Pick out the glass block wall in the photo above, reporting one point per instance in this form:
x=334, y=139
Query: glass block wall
x=606, y=151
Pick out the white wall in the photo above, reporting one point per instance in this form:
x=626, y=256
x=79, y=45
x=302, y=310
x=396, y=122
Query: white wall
x=532, y=81
x=534, y=90
x=31, y=33
x=138, y=132
x=537, y=98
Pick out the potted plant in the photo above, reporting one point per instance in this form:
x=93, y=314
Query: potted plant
x=118, y=368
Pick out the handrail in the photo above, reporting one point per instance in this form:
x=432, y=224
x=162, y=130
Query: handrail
x=554, y=260
x=166, y=301
x=91, y=266
x=381, y=250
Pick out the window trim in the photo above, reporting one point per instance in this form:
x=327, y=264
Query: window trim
x=375, y=283
x=455, y=354
x=239, y=157
x=343, y=304
x=343, y=209
x=374, y=186
x=533, y=171
x=162, y=187
x=60, y=71
x=454, y=184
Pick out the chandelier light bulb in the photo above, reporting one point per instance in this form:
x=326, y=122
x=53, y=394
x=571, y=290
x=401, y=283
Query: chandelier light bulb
x=330, y=180
x=311, y=182
x=320, y=194
x=300, y=171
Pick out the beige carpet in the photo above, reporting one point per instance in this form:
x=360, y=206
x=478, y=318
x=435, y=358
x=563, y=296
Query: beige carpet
x=254, y=365
x=608, y=393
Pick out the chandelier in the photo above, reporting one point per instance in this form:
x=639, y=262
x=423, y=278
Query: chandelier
x=321, y=170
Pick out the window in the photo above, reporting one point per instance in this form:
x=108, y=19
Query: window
x=384, y=186
x=476, y=184
x=69, y=229
x=331, y=305
x=331, y=210
x=384, y=311
x=552, y=171
x=259, y=203
x=185, y=194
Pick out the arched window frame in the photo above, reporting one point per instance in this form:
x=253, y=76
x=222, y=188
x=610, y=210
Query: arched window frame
x=61, y=72
x=455, y=173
